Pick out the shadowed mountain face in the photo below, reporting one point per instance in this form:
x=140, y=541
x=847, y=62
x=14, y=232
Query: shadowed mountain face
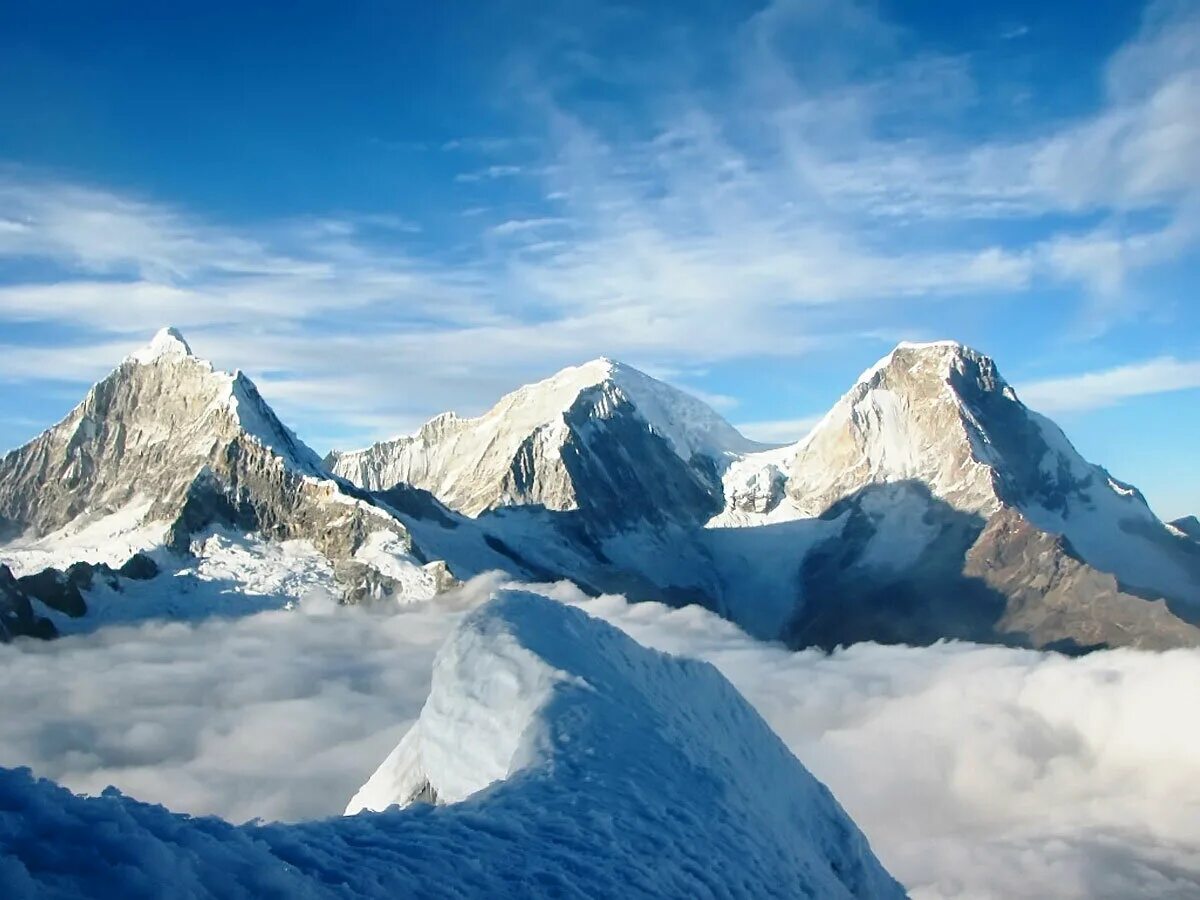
x=929, y=502
x=997, y=580
x=1187, y=526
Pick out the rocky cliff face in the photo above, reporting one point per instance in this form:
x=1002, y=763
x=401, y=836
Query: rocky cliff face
x=1053, y=598
x=166, y=439
x=17, y=615
x=941, y=415
x=602, y=438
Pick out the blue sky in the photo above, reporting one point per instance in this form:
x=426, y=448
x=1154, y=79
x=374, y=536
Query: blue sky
x=384, y=210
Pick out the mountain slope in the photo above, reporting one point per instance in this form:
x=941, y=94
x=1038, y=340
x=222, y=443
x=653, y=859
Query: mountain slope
x=909, y=467
x=165, y=448
x=589, y=438
x=1186, y=526
x=928, y=503
x=580, y=764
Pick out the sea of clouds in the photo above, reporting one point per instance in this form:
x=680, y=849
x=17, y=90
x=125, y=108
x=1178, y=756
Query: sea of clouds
x=975, y=771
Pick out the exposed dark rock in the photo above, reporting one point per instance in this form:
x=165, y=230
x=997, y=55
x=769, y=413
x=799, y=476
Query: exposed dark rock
x=139, y=567
x=999, y=581
x=17, y=616
x=59, y=590
x=1054, y=598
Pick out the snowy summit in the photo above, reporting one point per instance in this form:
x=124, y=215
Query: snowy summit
x=168, y=343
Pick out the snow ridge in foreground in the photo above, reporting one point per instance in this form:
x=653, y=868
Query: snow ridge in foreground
x=589, y=766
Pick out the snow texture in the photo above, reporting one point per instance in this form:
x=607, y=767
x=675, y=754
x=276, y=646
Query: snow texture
x=109, y=539
x=619, y=772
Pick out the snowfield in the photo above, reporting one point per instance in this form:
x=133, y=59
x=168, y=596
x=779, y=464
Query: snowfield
x=583, y=765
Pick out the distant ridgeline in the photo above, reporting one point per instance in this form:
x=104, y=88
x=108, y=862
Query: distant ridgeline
x=929, y=503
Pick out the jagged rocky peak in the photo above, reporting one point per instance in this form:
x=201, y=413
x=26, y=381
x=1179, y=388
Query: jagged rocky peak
x=143, y=433
x=165, y=446
x=589, y=437
x=939, y=414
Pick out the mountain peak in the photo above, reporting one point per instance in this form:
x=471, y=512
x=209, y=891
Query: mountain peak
x=1188, y=526
x=167, y=343
x=526, y=448
x=906, y=354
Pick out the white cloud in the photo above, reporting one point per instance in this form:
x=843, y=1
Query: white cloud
x=489, y=173
x=279, y=716
x=975, y=771
x=517, y=226
x=1093, y=390
x=755, y=221
x=779, y=431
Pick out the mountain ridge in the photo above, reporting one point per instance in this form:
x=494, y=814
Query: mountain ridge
x=928, y=503
x=522, y=450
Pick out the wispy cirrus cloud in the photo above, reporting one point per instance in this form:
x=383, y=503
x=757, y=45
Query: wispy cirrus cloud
x=798, y=200
x=814, y=209
x=779, y=431
x=1094, y=390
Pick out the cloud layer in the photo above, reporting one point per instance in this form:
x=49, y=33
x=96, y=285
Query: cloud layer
x=975, y=771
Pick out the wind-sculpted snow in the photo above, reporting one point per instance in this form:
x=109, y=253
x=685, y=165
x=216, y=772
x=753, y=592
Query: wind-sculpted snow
x=975, y=771
x=584, y=765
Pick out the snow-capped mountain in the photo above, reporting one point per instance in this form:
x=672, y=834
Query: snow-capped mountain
x=591, y=438
x=928, y=447
x=867, y=528
x=1187, y=526
x=929, y=502
x=165, y=448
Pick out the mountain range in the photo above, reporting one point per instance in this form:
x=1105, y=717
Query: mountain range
x=928, y=503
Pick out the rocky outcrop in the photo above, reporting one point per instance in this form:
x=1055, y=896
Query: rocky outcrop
x=17, y=616
x=1054, y=599
x=1187, y=526
x=64, y=591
